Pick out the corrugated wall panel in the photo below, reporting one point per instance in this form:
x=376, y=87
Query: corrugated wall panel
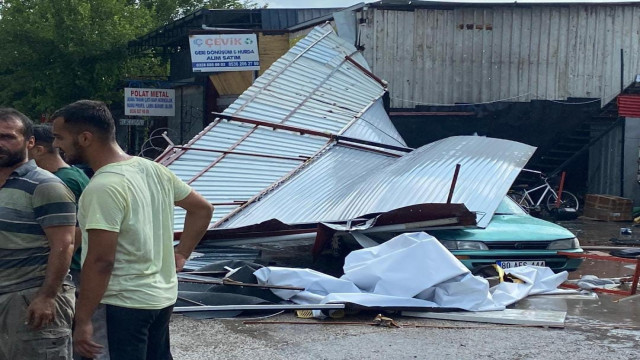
x=629, y=105
x=484, y=54
x=604, y=163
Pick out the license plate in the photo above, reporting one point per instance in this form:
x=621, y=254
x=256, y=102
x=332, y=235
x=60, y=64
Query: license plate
x=515, y=263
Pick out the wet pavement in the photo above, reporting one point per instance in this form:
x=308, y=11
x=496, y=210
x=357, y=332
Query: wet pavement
x=597, y=233
x=595, y=327
x=604, y=317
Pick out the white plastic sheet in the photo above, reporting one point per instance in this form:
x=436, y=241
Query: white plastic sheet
x=410, y=270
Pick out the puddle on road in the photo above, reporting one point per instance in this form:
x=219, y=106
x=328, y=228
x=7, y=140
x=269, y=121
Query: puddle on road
x=602, y=317
x=603, y=269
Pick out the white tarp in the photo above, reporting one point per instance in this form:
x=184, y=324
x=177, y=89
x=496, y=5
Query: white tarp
x=410, y=270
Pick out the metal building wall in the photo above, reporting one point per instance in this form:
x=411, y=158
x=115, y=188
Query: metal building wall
x=190, y=109
x=631, y=159
x=605, y=163
x=488, y=53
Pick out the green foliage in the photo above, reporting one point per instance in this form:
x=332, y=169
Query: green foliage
x=57, y=51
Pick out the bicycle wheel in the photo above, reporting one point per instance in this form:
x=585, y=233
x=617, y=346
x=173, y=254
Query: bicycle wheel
x=521, y=200
x=568, y=201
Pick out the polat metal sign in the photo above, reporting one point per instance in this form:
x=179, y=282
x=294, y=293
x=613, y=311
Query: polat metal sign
x=224, y=52
x=149, y=102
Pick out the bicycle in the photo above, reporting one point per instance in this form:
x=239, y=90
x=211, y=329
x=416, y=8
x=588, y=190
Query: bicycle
x=568, y=201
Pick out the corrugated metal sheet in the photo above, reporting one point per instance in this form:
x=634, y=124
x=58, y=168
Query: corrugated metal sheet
x=374, y=125
x=311, y=87
x=237, y=178
x=474, y=54
x=346, y=183
x=629, y=105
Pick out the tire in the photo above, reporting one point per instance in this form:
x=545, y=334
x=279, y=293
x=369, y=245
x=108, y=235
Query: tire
x=569, y=201
x=521, y=200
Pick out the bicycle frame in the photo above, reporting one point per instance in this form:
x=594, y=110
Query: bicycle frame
x=544, y=193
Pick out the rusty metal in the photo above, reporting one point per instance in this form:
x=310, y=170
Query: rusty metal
x=587, y=255
x=636, y=276
x=421, y=213
x=242, y=153
x=364, y=70
x=559, y=198
x=274, y=126
x=453, y=183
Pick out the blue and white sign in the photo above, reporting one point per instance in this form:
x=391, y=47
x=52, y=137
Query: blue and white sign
x=224, y=52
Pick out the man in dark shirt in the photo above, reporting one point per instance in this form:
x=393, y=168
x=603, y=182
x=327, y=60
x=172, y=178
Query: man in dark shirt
x=47, y=157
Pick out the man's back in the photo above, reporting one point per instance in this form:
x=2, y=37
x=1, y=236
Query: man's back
x=135, y=198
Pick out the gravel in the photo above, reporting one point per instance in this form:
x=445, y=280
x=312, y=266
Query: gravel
x=231, y=339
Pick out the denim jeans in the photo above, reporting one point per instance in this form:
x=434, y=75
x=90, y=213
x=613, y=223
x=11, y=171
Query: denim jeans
x=138, y=334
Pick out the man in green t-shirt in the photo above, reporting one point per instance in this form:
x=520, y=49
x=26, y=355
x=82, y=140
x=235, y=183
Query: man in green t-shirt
x=126, y=217
x=47, y=157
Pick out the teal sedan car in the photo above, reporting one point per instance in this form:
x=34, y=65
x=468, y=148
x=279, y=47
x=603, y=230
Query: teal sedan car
x=513, y=238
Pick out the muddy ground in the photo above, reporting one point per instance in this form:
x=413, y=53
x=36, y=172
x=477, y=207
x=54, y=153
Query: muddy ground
x=594, y=328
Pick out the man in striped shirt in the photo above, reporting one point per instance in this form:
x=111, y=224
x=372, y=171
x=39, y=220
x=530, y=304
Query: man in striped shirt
x=37, y=226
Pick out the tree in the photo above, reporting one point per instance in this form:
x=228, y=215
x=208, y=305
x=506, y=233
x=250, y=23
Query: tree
x=57, y=51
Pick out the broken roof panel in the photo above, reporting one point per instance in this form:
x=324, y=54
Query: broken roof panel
x=374, y=125
x=315, y=86
x=320, y=88
x=345, y=183
x=276, y=154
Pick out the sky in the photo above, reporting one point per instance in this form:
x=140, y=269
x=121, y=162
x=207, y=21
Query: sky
x=310, y=3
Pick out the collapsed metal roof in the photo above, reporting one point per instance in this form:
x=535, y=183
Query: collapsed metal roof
x=320, y=88
x=310, y=142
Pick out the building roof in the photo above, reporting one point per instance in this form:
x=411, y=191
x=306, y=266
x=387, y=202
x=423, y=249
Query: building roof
x=176, y=33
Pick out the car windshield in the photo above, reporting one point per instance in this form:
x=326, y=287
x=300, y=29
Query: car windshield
x=509, y=207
